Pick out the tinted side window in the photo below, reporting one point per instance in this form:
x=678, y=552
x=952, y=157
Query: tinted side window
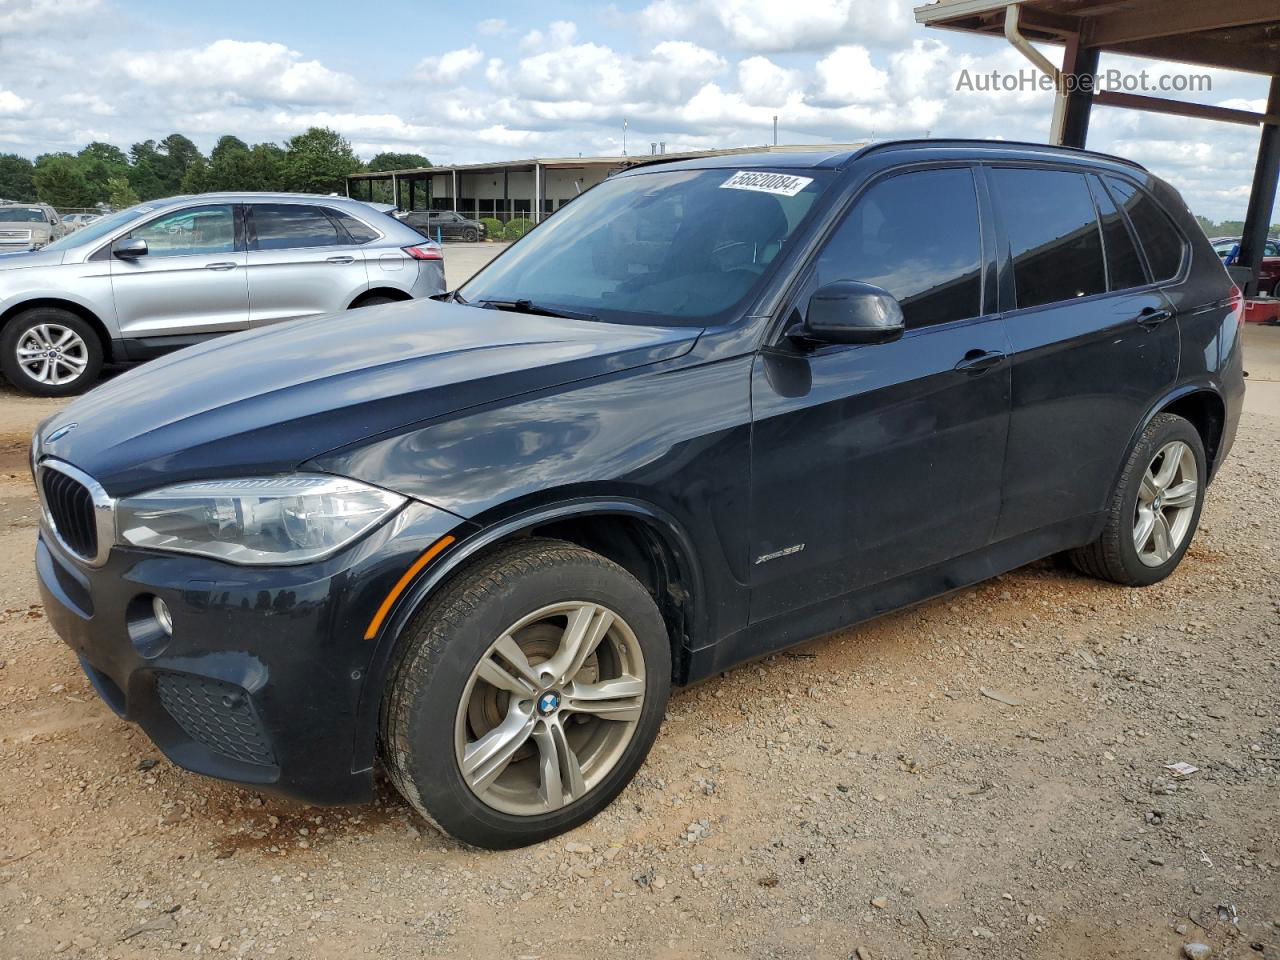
x=359, y=231
x=1124, y=265
x=1053, y=235
x=917, y=235
x=284, y=226
x=1159, y=237
x=189, y=232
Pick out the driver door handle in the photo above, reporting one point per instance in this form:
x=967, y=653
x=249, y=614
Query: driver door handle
x=224, y=265
x=977, y=362
x=1151, y=317
x=343, y=259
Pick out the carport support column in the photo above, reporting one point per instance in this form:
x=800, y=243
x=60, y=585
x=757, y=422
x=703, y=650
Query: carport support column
x=395, y=190
x=1262, y=200
x=1078, y=63
x=537, y=193
x=455, y=191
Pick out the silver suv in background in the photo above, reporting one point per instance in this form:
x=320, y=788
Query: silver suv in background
x=165, y=274
x=24, y=226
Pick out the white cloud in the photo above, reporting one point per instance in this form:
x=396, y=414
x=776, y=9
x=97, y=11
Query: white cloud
x=847, y=75
x=560, y=34
x=764, y=83
x=252, y=70
x=43, y=16
x=770, y=25
x=669, y=17
x=452, y=66
x=10, y=102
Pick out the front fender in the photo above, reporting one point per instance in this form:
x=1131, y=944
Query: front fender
x=473, y=543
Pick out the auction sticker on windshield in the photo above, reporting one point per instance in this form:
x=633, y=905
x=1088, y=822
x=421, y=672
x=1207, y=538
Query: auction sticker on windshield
x=780, y=183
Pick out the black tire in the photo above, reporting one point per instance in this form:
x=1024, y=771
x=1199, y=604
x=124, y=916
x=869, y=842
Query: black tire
x=372, y=302
x=442, y=646
x=471, y=235
x=1114, y=555
x=91, y=353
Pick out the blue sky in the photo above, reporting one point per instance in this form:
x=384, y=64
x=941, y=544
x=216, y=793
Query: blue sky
x=468, y=82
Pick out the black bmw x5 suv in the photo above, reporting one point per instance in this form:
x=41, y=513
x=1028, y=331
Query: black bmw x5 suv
x=712, y=409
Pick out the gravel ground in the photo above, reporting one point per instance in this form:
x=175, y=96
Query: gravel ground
x=980, y=776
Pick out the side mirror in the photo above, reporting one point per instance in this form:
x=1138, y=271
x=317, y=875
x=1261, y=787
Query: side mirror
x=129, y=249
x=849, y=311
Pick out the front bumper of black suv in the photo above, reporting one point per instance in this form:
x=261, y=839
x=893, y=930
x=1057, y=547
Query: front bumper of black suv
x=265, y=680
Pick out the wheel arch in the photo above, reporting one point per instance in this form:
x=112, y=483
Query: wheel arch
x=395, y=293
x=71, y=306
x=643, y=539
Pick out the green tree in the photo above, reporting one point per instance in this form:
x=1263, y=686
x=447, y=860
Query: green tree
x=15, y=178
x=196, y=179
x=60, y=181
x=120, y=194
x=109, y=154
x=226, y=145
x=176, y=154
x=143, y=176
x=319, y=161
x=396, y=161
x=266, y=167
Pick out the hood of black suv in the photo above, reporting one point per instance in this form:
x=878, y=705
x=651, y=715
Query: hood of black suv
x=264, y=401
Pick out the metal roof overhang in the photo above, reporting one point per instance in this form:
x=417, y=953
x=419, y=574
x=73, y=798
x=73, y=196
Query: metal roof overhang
x=1234, y=35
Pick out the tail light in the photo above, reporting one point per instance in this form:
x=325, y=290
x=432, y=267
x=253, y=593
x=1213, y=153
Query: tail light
x=424, y=252
x=1237, y=305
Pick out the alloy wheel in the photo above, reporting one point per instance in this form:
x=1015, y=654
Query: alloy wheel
x=52, y=354
x=1166, y=503
x=550, y=708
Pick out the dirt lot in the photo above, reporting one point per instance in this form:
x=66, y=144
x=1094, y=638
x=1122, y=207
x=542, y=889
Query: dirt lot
x=982, y=776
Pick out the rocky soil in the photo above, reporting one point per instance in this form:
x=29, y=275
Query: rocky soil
x=981, y=776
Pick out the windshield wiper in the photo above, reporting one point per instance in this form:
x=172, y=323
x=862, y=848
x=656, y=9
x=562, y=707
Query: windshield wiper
x=449, y=296
x=528, y=306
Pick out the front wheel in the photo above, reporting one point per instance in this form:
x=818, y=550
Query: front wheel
x=471, y=235
x=526, y=695
x=1155, y=508
x=50, y=352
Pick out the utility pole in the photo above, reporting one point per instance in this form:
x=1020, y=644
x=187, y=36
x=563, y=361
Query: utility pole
x=775, y=129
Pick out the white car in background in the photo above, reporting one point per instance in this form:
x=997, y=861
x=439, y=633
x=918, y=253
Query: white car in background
x=169, y=273
x=29, y=226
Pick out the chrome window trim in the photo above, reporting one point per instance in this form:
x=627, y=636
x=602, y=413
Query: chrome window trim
x=104, y=510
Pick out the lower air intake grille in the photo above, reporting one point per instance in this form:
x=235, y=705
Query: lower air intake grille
x=71, y=507
x=216, y=714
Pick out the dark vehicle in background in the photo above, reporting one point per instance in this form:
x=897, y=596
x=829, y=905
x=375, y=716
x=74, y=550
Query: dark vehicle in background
x=1228, y=248
x=712, y=409
x=445, y=225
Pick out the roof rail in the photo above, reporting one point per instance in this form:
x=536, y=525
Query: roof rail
x=995, y=145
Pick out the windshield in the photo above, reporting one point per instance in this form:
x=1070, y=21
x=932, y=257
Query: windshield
x=99, y=228
x=669, y=247
x=22, y=215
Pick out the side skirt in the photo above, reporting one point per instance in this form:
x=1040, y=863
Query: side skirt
x=770, y=636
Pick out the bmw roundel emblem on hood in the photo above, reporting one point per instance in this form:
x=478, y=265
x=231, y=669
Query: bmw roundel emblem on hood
x=60, y=433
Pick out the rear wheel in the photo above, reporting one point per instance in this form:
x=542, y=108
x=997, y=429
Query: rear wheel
x=526, y=695
x=1155, y=508
x=50, y=352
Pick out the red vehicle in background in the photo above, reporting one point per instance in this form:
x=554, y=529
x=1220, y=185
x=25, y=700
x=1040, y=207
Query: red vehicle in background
x=1228, y=248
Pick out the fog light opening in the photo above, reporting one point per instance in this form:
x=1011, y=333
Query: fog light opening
x=160, y=610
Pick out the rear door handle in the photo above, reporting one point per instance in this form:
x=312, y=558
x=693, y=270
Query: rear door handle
x=341, y=260
x=977, y=362
x=1151, y=317
x=225, y=265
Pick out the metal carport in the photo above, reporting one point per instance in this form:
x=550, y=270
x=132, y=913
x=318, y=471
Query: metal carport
x=1226, y=34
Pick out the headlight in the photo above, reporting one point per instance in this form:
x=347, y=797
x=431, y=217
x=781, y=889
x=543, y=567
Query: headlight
x=268, y=520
